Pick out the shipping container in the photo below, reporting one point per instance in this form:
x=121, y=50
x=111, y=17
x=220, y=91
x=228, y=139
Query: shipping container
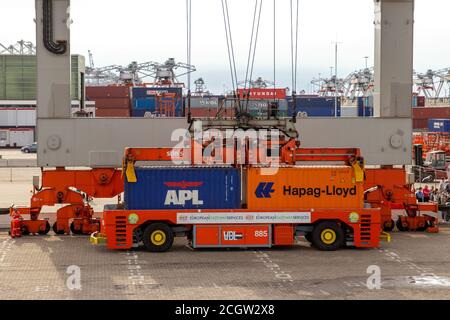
x=431, y=113
x=439, y=125
x=112, y=113
x=183, y=188
x=419, y=124
x=304, y=187
x=19, y=137
x=421, y=101
x=349, y=111
x=110, y=103
x=104, y=92
x=315, y=107
x=144, y=92
x=4, y=138
x=204, y=112
x=17, y=117
x=203, y=102
x=365, y=106
x=262, y=93
x=18, y=77
x=148, y=103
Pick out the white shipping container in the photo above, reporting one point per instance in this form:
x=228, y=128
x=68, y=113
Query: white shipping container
x=23, y=117
x=20, y=137
x=4, y=138
x=349, y=111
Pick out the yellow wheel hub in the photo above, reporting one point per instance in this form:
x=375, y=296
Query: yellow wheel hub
x=328, y=236
x=158, y=237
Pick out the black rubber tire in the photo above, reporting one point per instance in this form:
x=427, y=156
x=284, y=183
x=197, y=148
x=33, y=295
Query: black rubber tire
x=164, y=228
x=25, y=231
x=74, y=231
x=308, y=237
x=424, y=228
x=47, y=229
x=26, y=151
x=61, y=232
x=389, y=228
x=316, y=236
x=400, y=226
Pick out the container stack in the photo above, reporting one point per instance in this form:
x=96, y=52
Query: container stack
x=110, y=101
x=157, y=101
x=422, y=115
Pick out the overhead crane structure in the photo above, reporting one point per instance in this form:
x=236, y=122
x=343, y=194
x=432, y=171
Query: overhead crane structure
x=98, y=143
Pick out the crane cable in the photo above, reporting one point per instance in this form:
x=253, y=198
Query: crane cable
x=189, y=52
x=230, y=47
x=252, y=49
x=294, y=55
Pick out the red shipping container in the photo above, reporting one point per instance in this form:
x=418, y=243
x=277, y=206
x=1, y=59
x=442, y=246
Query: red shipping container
x=420, y=123
x=263, y=93
x=107, y=92
x=113, y=112
x=203, y=112
x=421, y=101
x=110, y=103
x=431, y=113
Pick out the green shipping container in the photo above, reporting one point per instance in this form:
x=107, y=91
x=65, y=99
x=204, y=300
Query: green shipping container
x=18, y=77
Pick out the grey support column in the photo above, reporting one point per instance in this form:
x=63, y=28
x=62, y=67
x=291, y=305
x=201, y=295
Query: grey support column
x=394, y=29
x=53, y=59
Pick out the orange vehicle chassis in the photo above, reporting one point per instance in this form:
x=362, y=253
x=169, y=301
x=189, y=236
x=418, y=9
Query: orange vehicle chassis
x=74, y=189
x=123, y=229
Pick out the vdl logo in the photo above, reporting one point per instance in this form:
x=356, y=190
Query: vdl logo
x=264, y=190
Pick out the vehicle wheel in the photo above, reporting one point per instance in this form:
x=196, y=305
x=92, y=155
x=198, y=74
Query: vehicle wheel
x=424, y=228
x=58, y=232
x=26, y=151
x=447, y=216
x=158, y=237
x=308, y=237
x=47, y=229
x=400, y=226
x=25, y=231
x=327, y=236
x=389, y=227
x=75, y=231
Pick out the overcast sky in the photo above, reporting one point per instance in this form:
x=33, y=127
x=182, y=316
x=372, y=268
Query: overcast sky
x=118, y=32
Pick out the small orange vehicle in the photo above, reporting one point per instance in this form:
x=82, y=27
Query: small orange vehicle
x=325, y=204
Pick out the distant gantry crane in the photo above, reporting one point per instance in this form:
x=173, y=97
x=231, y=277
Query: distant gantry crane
x=432, y=83
x=134, y=73
x=200, y=88
x=259, y=83
x=359, y=83
x=19, y=48
x=329, y=87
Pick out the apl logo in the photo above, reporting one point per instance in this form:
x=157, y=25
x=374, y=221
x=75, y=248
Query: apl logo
x=180, y=197
x=264, y=190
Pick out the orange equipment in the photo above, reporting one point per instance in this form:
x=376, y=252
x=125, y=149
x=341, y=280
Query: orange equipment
x=73, y=188
x=387, y=188
x=328, y=228
x=433, y=141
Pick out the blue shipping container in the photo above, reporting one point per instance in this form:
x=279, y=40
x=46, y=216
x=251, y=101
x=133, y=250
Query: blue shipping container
x=439, y=125
x=365, y=106
x=316, y=107
x=183, y=188
x=144, y=103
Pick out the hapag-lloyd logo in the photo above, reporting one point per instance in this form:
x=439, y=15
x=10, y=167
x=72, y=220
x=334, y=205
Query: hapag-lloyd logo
x=227, y=147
